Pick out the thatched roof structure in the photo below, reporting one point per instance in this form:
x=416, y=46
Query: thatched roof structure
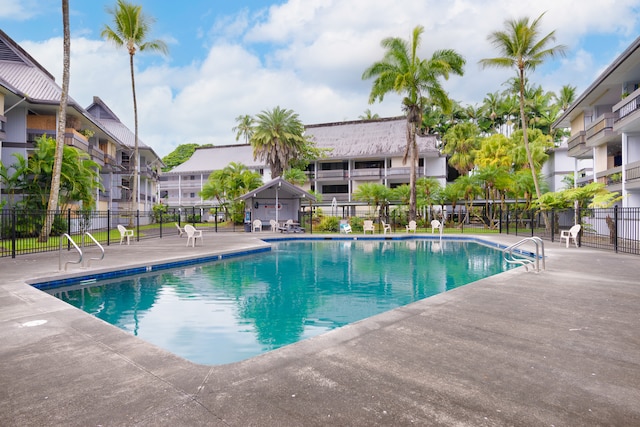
x=368, y=138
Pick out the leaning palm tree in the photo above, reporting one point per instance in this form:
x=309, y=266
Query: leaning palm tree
x=130, y=29
x=403, y=72
x=522, y=48
x=52, y=206
x=278, y=139
x=244, y=127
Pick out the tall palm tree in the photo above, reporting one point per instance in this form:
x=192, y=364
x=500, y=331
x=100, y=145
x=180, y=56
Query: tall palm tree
x=130, y=30
x=244, y=127
x=62, y=124
x=565, y=97
x=403, y=72
x=278, y=138
x=522, y=48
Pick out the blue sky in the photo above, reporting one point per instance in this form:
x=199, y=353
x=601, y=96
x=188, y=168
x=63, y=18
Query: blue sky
x=234, y=57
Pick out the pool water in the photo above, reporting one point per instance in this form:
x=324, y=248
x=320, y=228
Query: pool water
x=234, y=309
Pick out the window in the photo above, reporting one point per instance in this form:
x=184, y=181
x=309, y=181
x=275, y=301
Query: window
x=335, y=189
x=333, y=166
x=371, y=164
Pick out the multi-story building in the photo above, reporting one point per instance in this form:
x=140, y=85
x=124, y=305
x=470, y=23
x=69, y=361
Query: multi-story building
x=605, y=127
x=368, y=151
x=29, y=102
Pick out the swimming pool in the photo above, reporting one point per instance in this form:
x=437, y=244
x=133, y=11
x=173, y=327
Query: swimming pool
x=236, y=308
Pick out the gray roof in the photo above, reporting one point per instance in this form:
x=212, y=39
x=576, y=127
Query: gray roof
x=285, y=190
x=217, y=158
x=107, y=118
x=368, y=138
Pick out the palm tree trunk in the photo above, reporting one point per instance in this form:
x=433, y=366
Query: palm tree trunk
x=52, y=205
x=134, y=191
x=526, y=145
x=412, y=171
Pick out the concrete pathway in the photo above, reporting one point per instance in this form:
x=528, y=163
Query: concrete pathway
x=559, y=348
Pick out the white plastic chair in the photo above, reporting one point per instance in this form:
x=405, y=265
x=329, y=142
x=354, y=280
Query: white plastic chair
x=435, y=224
x=386, y=227
x=192, y=234
x=180, y=230
x=257, y=225
x=274, y=224
x=124, y=233
x=345, y=228
x=367, y=225
x=412, y=226
x=571, y=233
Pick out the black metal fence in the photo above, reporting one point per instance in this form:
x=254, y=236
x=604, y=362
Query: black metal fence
x=616, y=229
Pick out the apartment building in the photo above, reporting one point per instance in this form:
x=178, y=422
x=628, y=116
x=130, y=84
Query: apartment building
x=29, y=102
x=605, y=127
x=363, y=151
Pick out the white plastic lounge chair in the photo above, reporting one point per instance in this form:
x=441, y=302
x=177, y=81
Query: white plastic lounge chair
x=257, y=225
x=412, y=226
x=274, y=225
x=192, y=234
x=345, y=228
x=367, y=225
x=124, y=233
x=386, y=227
x=180, y=230
x=571, y=233
x=435, y=224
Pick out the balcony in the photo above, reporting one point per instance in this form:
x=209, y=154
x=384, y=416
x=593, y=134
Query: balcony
x=628, y=113
x=612, y=178
x=335, y=174
x=601, y=130
x=577, y=145
x=367, y=173
x=75, y=139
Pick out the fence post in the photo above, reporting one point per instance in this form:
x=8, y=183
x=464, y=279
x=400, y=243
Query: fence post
x=108, y=227
x=500, y=220
x=615, y=229
x=161, y=215
x=579, y=221
x=14, y=224
x=137, y=225
x=68, y=227
x=553, y=223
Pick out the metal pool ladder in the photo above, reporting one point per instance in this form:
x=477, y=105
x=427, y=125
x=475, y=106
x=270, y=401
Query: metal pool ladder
x=79, y=261
x=520, y=258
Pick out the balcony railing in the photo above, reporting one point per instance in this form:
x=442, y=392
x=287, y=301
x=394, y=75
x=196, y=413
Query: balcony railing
x=577, y=143
x=340, y=173
x=367, y=173
x=633, y=171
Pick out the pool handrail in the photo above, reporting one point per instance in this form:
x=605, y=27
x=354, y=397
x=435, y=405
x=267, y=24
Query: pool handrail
x=522, y=259
x=99, y=245
x=60, y=252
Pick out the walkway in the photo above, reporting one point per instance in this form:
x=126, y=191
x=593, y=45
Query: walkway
x=557, y=348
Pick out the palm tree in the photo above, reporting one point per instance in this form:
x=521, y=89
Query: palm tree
x=278, y=139
x=403, y=72
x=368, y=115
x=565, y=97
x=62, y=124
x=130, y=30
x=244, y=127
x=523, y=49
x=461, y=142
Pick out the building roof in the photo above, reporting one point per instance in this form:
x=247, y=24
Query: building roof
x=286, y=190
x=216, y=158
x=368, y=138
x=607, y=88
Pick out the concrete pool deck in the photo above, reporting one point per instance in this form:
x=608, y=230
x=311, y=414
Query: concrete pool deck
x=561, y=348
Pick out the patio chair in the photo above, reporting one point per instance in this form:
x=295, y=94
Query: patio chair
x=436, y=224
x=257, y=225
x=571, y=233
x=124, y=233
x=192, y=234
x=180, y=230
x=367, y=225
x=274, y=224
x=386, y=227
x=412, y=226
x=345, y=228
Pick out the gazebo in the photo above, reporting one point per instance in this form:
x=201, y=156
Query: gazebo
x=278, y=200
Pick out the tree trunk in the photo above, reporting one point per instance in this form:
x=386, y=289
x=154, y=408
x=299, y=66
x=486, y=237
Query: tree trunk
x=52, y=205
x=134, y=186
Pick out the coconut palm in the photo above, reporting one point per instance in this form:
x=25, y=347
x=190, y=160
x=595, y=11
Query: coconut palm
x=368, y=115
x=522, y=48
x=244, y=127
x=460, y=144
x=403, y=72
x=278, y=139
x=130, y=30
x=565, y=97
x=52, y=205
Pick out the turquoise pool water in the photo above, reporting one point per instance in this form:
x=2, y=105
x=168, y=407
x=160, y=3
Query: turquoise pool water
x=234, y=309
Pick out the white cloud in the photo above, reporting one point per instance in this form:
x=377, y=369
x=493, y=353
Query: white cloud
x=309, y=56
